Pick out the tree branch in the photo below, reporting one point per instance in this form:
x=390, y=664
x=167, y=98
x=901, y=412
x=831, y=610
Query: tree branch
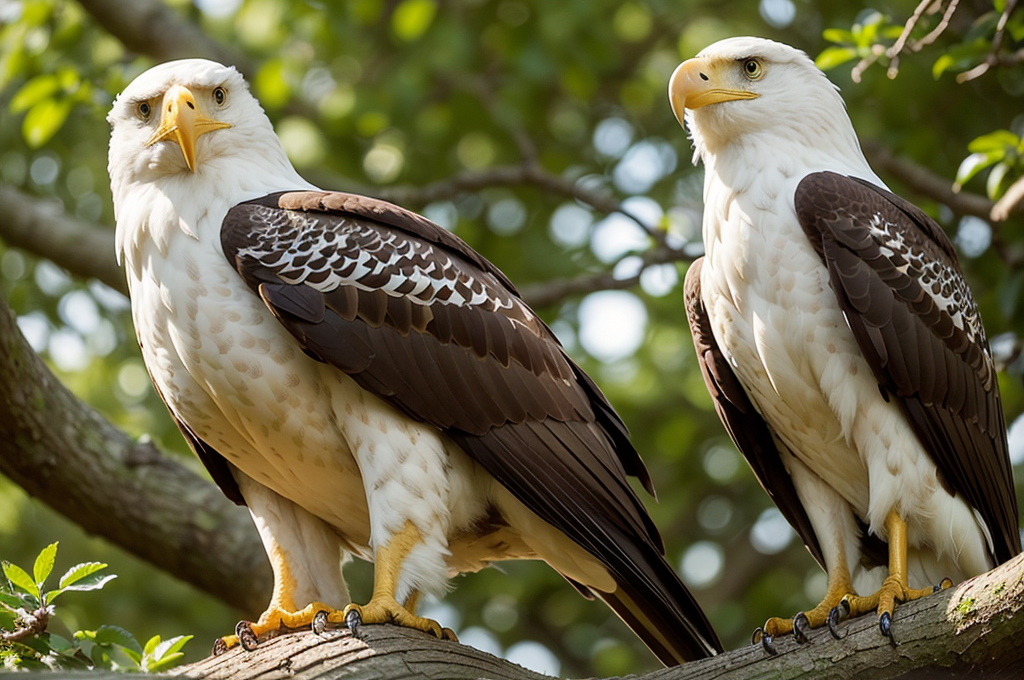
x=152, y=28
x=67, y=455
x=552, y=292
x=43, y=228
x=927, y=183
x=972, y=628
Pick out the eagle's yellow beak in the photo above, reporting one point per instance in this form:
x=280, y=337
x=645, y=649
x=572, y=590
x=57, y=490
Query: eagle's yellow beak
x=182, y=121
x=697, y=82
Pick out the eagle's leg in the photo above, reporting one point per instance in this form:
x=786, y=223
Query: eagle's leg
x=894, y=589
x=383, y=607
x=306, y=558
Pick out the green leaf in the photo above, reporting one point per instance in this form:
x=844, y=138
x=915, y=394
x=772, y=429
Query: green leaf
x=115, y=635
x=831, y=57
x=61, y=644
x=44, y=120
x=165, y=654
x=7, y=619
x=10, y=600
x=993, y=186
x=44, y=563
x=80, y=571
x=20, y=579
x=942, y=64
x=165, y=663
x=972, y=165
x=997, y=140
x=171, y=646
x=151, y=644
x=94, y=582
x=412, y=18
x=34, y=91
x=837, y=35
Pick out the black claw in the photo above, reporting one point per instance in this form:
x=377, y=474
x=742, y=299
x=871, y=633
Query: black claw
x=219, y=647
x=835, y=615
x=946, y=582
x=246, y=637
x=320, y=622
x=765, y=639
x=354, y=621
x=885, y=626
x=801, y=627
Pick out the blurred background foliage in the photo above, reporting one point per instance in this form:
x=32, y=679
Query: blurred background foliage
x=389, y=97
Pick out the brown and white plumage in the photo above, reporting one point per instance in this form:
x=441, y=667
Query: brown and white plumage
x=838, y=336
x=363, y=380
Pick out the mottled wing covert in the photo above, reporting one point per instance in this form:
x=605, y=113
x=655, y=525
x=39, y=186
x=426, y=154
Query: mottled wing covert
x=899, y=284
x=418, y=318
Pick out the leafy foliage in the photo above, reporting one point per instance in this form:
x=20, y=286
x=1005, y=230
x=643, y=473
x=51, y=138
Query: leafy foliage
x=27, y=611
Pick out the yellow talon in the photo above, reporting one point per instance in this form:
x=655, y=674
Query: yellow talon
x=272, y=621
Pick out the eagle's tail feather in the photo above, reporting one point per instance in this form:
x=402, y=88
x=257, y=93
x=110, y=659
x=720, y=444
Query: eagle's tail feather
x=661, y=611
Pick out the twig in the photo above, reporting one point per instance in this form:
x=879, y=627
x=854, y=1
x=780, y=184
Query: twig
x=29, y=624
x=1009, y=203
x=993, y=57
x=552, y=292
x=894, y=51
x=927, y=183
x=942, y=26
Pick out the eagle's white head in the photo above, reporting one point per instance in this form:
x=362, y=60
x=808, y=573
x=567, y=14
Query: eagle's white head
x=745, y=97
x=186, y=134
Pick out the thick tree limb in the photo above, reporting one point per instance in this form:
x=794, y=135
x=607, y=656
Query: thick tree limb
x=43, y=228
x=152, y=28
x=61, y=451
x=974, y=628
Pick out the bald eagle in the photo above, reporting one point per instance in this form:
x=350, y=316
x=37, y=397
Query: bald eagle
x=840, y=341
x=364, y=381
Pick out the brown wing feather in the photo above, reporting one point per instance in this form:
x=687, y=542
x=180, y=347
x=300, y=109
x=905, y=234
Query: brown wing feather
x=898, y=281
x=749, y=431
x=421, y=320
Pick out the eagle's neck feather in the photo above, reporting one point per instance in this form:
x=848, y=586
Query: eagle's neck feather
x=191, y=204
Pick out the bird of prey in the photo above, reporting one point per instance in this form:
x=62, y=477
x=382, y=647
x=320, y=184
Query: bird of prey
x=839, y=340
x=364, y=381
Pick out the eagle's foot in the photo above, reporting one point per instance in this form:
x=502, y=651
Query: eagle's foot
x=825, y=613
x=388, y=610
x=894, y=590
x=248, y=634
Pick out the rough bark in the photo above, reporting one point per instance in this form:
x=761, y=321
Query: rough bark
x=969, y=630
x=70, y=457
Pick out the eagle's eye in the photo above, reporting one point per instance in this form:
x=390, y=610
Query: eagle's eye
x=144, y=109
x=220, y=95
x=753, y=69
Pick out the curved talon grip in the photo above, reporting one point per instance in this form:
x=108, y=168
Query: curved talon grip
x=801, y=628
x=764, y=638
x=885, y=626
x=319, y=624
x=946, y=582
x=835, y=615
x=354, y=621
x=246, y=637
x=219, y=647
